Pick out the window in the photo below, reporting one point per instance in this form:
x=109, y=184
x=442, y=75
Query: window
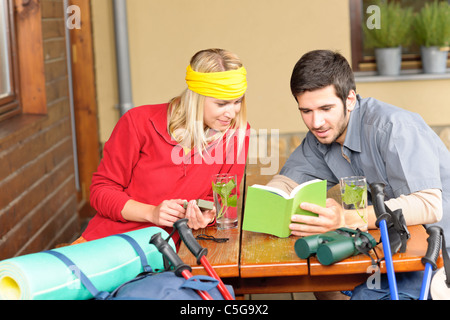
x=364, y=59
x=9, y=98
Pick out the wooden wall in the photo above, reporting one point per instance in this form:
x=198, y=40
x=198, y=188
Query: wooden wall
x=38, y=197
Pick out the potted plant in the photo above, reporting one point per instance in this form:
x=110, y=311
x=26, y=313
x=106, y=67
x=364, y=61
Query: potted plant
x=432, y=33
x=387, y=39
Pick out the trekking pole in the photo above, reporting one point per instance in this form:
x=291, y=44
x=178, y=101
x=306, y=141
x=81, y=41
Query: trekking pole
x=200, y=253
x=377, y=190
x=181, y=269
x=429, y=260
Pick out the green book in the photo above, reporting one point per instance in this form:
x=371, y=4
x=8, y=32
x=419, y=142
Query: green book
x=269, y=210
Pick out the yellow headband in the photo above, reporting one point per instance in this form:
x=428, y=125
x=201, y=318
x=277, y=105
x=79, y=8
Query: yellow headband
x=226, y=85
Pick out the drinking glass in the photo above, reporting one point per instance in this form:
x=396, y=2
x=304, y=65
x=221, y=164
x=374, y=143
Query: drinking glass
x=225, y=200
x=354, y=202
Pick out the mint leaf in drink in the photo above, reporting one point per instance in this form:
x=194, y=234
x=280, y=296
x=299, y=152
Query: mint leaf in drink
x=356, y=196
x=227, y=188
x=224, y=191
x=232, y=201
x=353, y=194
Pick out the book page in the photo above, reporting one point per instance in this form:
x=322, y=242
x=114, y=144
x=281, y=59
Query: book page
x=300, y=186
x=272, y=189
x=313, y=192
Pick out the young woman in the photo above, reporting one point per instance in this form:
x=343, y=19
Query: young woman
x=159, y=156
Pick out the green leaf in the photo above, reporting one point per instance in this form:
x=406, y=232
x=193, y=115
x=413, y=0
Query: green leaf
x=353, y=194
x=216, y=187
x=395, y=26
x=227, y=188
x=432, y=24
x=224, y=191
x=232, y=201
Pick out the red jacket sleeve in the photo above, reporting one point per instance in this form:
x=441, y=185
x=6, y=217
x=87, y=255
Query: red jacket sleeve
x=120, y=154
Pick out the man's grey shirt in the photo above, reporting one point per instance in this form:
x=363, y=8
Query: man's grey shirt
x=385, y=144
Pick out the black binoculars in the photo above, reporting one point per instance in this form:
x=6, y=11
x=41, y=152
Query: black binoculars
x=334, y=246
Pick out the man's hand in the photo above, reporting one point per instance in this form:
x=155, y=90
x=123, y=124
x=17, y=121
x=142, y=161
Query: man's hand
x=329, y=218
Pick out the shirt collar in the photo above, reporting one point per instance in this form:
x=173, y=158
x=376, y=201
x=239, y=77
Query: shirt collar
x=159, y=122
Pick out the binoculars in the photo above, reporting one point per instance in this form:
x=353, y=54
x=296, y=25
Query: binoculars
x=334, y=246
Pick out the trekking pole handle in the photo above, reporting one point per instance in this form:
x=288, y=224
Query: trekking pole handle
x=189, y=240
x=434, y=246
x=168, y=252
x=377, y=191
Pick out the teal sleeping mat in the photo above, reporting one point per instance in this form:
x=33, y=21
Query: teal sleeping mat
x=107, y=262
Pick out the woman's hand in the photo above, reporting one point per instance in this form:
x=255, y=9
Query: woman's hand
x=329, y=218
x=198, y=219
x=168, y=212
x=164, y=214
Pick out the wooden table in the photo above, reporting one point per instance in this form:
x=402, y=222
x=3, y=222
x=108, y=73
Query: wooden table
x=261, y=263
x=264, y=255
x=223, y=256
x=403, y=262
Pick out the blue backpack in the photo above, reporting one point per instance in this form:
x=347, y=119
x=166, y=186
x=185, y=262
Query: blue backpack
x=149, y=285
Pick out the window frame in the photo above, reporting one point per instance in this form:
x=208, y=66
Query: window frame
x=10, y=105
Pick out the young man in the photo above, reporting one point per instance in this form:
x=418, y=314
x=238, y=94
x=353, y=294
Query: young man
x=351, y=136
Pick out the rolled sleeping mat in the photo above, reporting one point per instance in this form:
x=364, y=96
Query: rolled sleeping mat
x=107, y=262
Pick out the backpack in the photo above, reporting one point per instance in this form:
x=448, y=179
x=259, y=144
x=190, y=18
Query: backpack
x=149, y=285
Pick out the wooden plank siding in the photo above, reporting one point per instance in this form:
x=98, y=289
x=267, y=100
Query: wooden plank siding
x=38, y=196
x=28, y=34
x=85, y=102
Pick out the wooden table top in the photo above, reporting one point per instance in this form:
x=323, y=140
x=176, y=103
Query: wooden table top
x=403, y=262
x=264, y=255
x=249, y=255
x=223, y=256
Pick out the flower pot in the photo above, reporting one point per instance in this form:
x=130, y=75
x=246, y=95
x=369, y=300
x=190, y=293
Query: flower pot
x=433, y=59
x=389, y=61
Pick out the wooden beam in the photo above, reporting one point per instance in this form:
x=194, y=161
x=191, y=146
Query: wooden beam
x=31, y=56
x=85, y=103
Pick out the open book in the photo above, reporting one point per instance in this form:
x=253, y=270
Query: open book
x=269, y=210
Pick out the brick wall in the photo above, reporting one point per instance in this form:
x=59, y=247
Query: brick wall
x=38, y=202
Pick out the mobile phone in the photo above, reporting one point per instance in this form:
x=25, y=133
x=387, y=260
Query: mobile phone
x=202, y=204
x=205, y=205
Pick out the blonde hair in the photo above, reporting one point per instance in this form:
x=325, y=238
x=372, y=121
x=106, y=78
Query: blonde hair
x=185, y=113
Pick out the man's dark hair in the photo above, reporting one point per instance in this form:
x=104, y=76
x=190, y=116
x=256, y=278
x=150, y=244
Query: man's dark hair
x=320, y=68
